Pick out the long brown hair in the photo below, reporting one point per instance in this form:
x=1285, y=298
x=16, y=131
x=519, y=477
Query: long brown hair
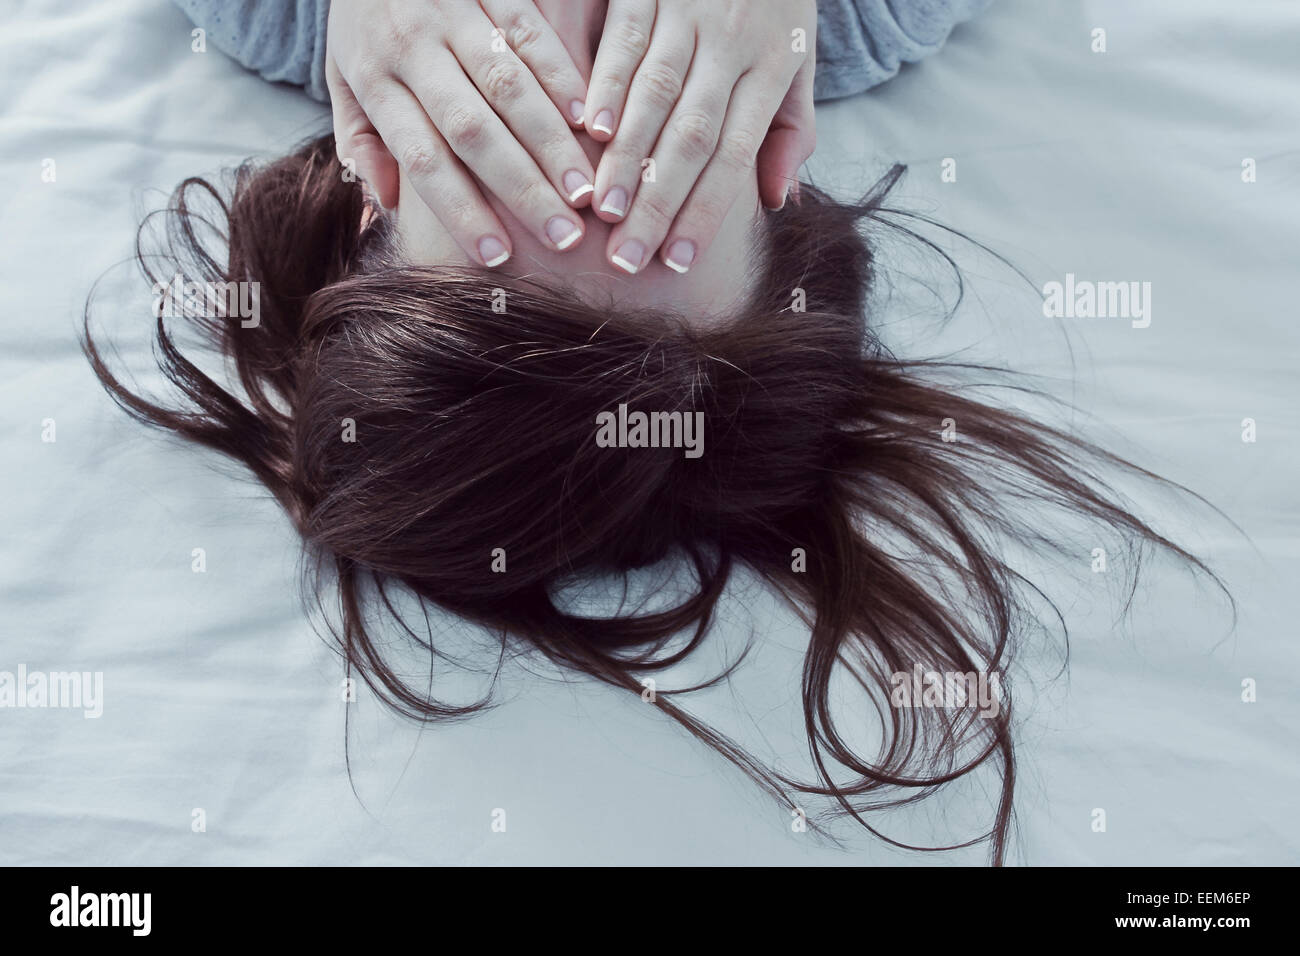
x=826, y=471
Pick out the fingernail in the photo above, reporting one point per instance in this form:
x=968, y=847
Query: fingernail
x=493, y=251
x=680, y=256
x=562, y=232
x=629, y=256
x=615, y=202
x=794, y=192
x=576, y=109
x=604, y=122
x=577, y=185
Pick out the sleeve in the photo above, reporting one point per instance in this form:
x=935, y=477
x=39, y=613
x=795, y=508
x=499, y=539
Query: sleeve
x=282, y=40
x=862, y=43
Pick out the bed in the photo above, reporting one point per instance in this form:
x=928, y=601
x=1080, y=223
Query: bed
x=1171, y=157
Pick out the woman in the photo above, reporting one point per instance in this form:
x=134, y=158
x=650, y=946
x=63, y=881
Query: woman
x=487, y=438
x=480, y=97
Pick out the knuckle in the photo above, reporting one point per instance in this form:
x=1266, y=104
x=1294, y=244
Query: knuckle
x=707, y=207
x=656, y=207
x=625, y=161
x=527, y=193
x=554, y=146
x=696, y=134
x=660, y=84
x=419, y=161
x=464, y=129
x=458, y=214
x=611, y=85
x=522, y=31
x=399, y=36
x=551, y=76
x=367, y=76
x=503, y=82
x=632, y=39
x=734, y=18
x=739, y=149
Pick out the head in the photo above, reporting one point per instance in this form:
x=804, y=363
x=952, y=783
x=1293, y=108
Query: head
x=437, y=426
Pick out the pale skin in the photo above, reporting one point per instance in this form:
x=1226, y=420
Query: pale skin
x=558, y=107
x=715, y=287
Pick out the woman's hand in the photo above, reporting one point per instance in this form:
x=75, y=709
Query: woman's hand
x=443, y=87
x=704, y=90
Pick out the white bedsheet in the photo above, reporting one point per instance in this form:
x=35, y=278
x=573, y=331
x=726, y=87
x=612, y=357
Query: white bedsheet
x=1123, y=165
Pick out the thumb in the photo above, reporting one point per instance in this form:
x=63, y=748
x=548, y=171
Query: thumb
x=789, y=142
x=356, y=140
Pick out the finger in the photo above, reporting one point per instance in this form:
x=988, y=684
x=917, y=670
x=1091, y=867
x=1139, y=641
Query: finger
x=702, y=215
x=653, y=95
x=686, y=146
x=533, y=121
x=623, y=44
x=442, y=183
x=483, y=143
x=790, y=141
x=536, y=43
x=357, y=141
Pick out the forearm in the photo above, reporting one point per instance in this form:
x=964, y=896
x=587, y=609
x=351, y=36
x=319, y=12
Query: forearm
x=863, y=43
x=282, y=40
x=860, y=43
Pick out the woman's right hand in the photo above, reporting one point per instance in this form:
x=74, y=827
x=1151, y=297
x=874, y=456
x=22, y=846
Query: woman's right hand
x=451, y=90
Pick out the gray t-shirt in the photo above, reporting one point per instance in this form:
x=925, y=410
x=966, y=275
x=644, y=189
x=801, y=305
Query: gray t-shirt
x=860, y=43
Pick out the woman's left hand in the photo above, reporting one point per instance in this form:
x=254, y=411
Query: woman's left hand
x=696, y=93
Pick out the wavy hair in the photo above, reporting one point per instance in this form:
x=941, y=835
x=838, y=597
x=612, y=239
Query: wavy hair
x=825, y=471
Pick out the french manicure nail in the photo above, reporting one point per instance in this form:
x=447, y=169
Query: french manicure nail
x=680, y=256
x=493, y=251
x=604, y=122
x=615, y=202
x=562, y=232
x=629, y=256
x=576, y=109
x=577, y=185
